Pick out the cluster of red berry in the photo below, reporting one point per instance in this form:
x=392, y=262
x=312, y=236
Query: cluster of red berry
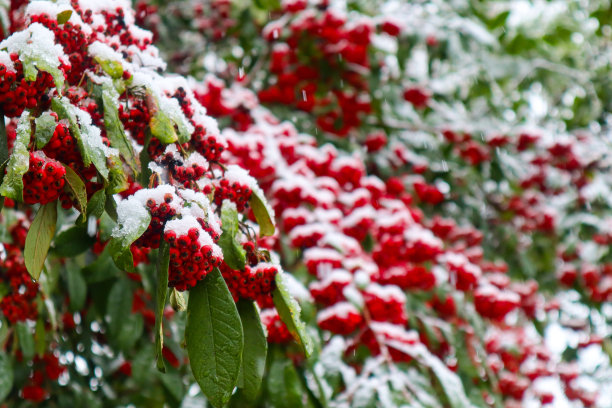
x=253, y=283
x=45, y=367
x=236, y=192
x=161, y=213
x=340, y=47
x=75, y=42
x=16, y=93
x=44, y=180
x=190, y=259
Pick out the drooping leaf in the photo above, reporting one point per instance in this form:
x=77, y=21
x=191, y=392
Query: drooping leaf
x=177, y=301
x=77, y=186
x=117, y=179
x=19, y=162
x=40, y=340
x=254, y=351
x=163, y=263
x=64, y=16
x=4, y=153
x=162, y=128
x=284, y=388
x=113, y=68
x=263, y=214
x=96, y=204
x=118, y=306
x=233, y=253
x=77, y=288
x=39, y=238
x=114, y=127
x=131, y=331
x=133, y=220
x=289, y=311
x=26, y=340
x=45, y=126
x=6, y=376
x=87, y=135
x=214, y=338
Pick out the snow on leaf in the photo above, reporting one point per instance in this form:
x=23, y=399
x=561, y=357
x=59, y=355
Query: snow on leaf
x=18, y=164
x=37, y=51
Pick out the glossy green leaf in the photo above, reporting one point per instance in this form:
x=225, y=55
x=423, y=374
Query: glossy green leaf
x=114, y=127
x=233, y=253
x=263, y=214
x=177, y=301
x=162, y=128
x=163, y=263
x=64, y=16
x=131, y=331
x=77, y=288
x=254, y=351
x=45, y=126
x=118, y=306
x=40, y=340
x=117, y=179
x=96, y=204
x=284, y=388
x=113, y=68
x=124, y=235
x=19, y=162
x=77, y=187
x=26, y=340
x=6, y=376
x=39, y=238
x=214, y=338
x=87, y=135
x=289, y=311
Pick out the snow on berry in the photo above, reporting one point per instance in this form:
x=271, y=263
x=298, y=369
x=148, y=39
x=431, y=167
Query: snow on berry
x=341, y=318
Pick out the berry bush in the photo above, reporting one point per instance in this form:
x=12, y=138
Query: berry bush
x=305, y=203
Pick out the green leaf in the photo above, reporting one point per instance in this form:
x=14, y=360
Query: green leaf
x=163, y=263
x=162, y=128
x=19, y=162
x=77, y=288
x=123, y=259
x=124, y=235
x=233, y=253
x=267, y=5
x=64, y=16
x=95, y=206
x=45, y=126
x=254, y=351
x=87, y=135
x=39, y=238
x=118, y=306
x=131, y=331
x=4, y=153
x=39, y=60
x=214, y=338
x=177, y=300
x=283, y=383
x=114, y=127
x=113, y=68
x=263, y=214
x=40, y=340
x=289, y=311
x=26, y=340
x=117, y=179
x=77, y=186
x=103, y=268
x=6, y=376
